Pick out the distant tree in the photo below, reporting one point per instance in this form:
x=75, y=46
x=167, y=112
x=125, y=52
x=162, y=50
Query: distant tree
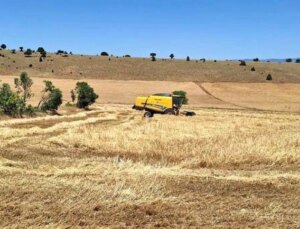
x=43, y=54
x=104, y=54
x=3, y=46
x=85, y=95
x=215, y=60
x=70, y=53
x=187, y=58
x=21, y=49
x=13, y=51
x=73, y=96
x=23, y=85
x=153, y=54
x=40, y=50
x=298, y=61
x=203, y=60
x=183, y=94
x=269, y=77
x=153, y=58
x=255, y=59
x=172, y=56
x=243, y=63
x=51, y=98
x=28, y=53
x=60, y=52
x=288, y=60
x=253, y=69
x=127, y=56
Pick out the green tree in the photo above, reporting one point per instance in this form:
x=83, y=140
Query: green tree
x=183, y=94
x=23, y=85
x=51, y=99
x=3, y=46
x=187, y=58
x=28, y=52
x=172, y=56
x=40, y=50
x=85, y=95
x=288, y=60
x=298, y=61
x=104, y=54
x=21, y=49
x=10, y=103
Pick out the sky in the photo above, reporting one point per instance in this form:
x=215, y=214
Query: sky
x=212, y=29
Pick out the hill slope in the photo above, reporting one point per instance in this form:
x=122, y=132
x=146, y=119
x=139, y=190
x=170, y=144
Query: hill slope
x=96, y=67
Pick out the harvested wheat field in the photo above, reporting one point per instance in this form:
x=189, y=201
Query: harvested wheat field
x=109, y=167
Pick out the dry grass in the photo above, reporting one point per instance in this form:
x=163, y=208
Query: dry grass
x=94, y=67
x=111, y=168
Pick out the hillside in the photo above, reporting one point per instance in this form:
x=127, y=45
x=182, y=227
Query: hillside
x=96, y=67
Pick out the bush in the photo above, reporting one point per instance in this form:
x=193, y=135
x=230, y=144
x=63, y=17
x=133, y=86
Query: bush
x=104, y=54
x=253, y=69
x=51, y=99
x=153, y=58
x=255, y=59
x=30, y=65
x=183, y=94
x=269, y=77
x=85, y=95
x=13, y=51
x=3, y=46
x=29, y=110
x=243, y=63
x=288, y=60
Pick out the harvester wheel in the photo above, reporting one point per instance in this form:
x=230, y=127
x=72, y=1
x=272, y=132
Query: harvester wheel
x=169, y=112
x=148, y=114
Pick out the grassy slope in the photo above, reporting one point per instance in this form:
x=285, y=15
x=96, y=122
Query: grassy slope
x=95, y=67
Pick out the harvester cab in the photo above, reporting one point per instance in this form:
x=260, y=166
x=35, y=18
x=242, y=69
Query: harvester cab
x=163, y=103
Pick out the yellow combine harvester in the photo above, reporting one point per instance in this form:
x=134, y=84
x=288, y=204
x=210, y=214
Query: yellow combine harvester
x=159, y=103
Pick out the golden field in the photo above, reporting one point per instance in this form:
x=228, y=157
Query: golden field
x=261, y=96
x=109, y=167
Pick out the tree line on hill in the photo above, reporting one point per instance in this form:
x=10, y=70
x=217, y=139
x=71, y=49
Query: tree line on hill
x=14, y=103
x=28, y=52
